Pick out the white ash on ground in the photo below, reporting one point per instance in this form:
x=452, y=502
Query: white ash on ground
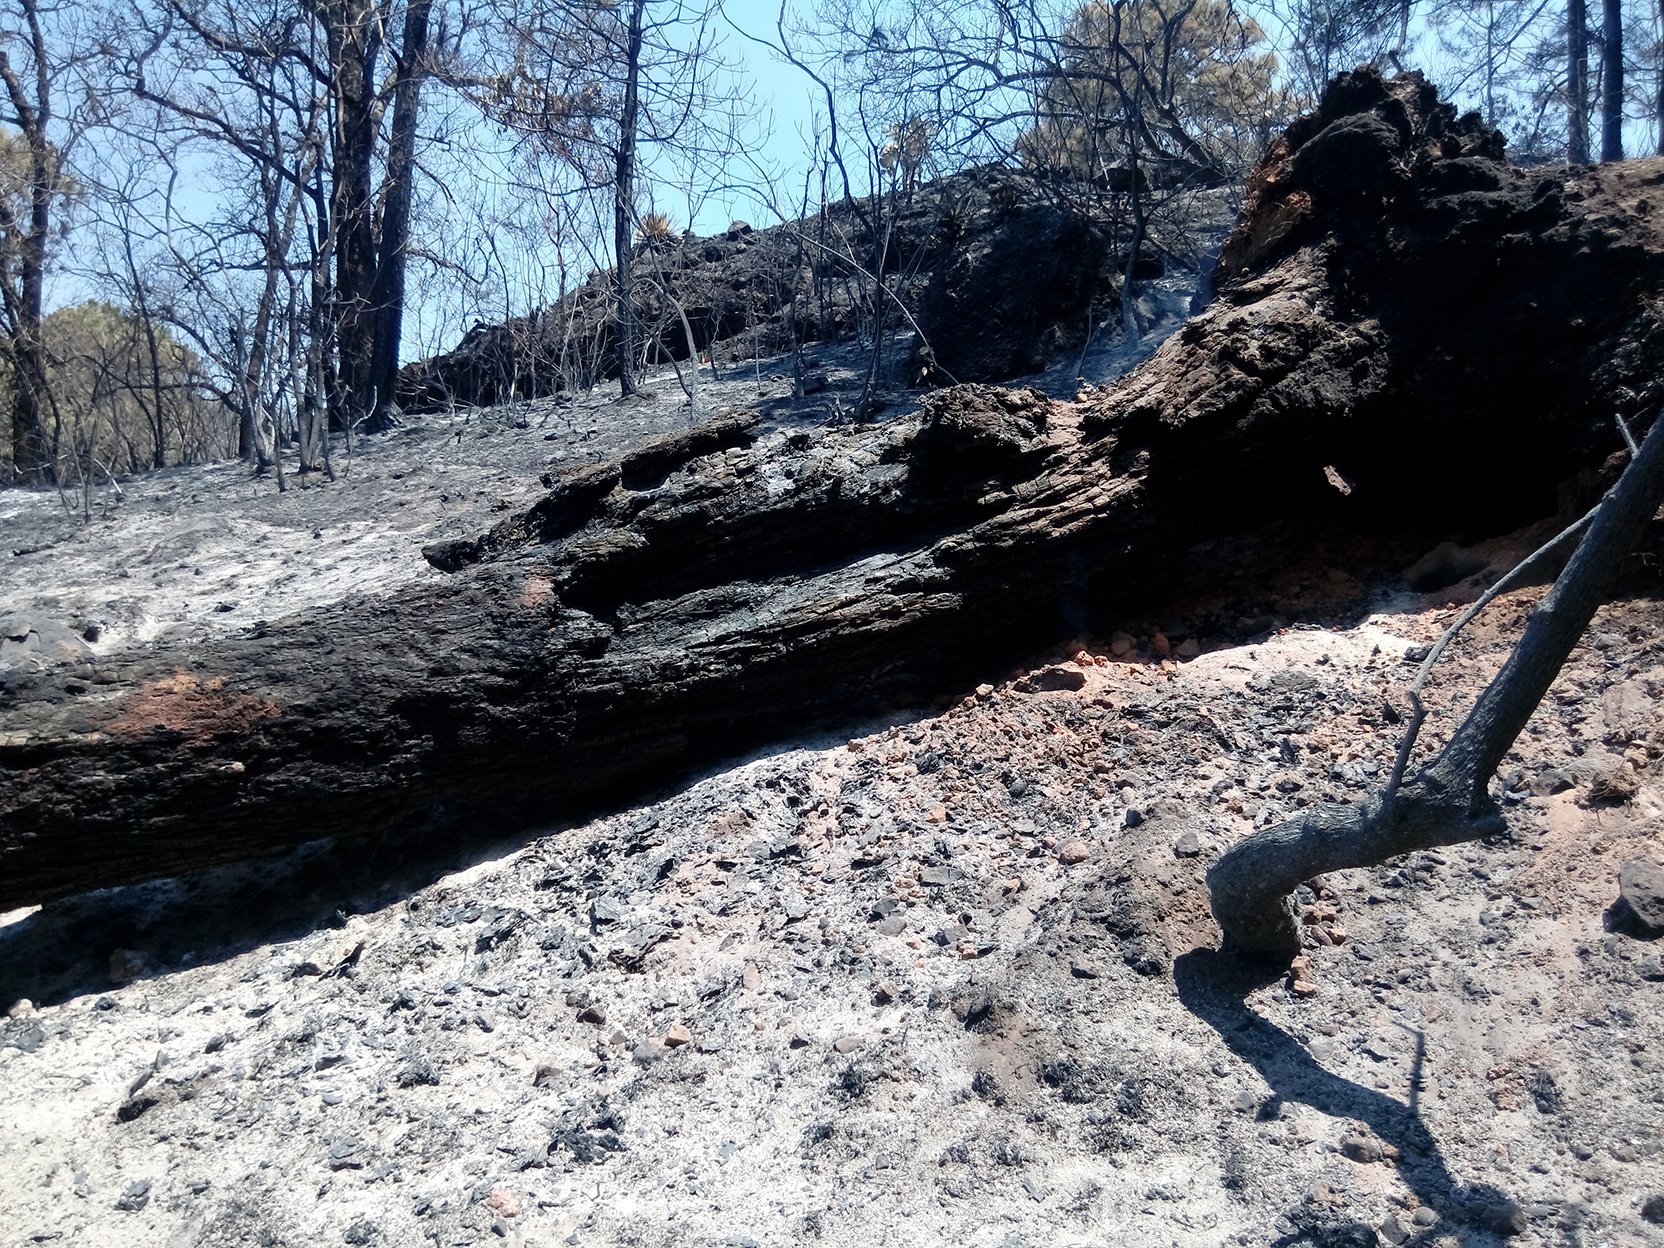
x=951, y=980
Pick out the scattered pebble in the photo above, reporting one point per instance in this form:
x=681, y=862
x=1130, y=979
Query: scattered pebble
x=676, y=1036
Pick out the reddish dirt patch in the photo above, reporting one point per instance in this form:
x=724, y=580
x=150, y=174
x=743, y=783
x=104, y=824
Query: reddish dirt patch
x=194, y=708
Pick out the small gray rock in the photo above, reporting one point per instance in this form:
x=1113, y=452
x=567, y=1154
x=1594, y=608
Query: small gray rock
x=1361, y=1149
x=1505, y=1218
x=1549, y=781
x=1641, y=889
x=647, y=1052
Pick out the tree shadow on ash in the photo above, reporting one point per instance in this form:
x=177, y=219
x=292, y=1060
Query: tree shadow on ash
x=1215, y=988
x=95, y=942
x=73, y=946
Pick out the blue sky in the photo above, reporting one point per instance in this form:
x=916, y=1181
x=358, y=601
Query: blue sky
x=779, y=106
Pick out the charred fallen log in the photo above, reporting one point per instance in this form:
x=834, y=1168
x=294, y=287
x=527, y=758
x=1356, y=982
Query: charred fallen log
x=1398, y=304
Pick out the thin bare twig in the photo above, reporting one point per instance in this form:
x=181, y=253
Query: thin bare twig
x=1418, y=712
x=1629, y=438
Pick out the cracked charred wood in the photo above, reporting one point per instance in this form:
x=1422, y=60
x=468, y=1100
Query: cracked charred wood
x=1398, y=304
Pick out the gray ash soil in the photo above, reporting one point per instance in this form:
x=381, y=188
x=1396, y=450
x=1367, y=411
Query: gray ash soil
x=950, y=981
x=202, y=551
x=190, y=553
x=947, y=980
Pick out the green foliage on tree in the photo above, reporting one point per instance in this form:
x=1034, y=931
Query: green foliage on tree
x=1194, y=85
x=124, y=395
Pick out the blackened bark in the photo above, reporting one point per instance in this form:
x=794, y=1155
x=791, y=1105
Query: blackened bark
x=388, y=301
x=1577, y=82
x=624, y=195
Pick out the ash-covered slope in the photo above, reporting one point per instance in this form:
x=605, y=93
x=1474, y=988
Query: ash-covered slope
x=1005, y=272
x=946, y=981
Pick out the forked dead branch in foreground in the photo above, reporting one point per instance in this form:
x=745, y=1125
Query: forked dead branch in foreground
x=1448, y=801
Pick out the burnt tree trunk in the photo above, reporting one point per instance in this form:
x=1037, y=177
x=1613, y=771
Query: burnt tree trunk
x=1397, y=303
x=388, y=301
x=354, y=32
x=1611, y=80
x=624, y=204
x=1577, y=82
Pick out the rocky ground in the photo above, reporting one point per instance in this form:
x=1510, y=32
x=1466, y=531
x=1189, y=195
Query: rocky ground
x=948, y=979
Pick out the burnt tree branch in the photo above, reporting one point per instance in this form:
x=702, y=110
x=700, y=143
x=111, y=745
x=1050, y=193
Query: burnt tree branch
x=1448, y=802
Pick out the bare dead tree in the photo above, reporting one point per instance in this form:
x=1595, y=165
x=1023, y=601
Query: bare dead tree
x=598, y=85
x=301, y=98
x=232, y=277
x=1448, y=801
x=1611, y=80
x=1124, y=109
